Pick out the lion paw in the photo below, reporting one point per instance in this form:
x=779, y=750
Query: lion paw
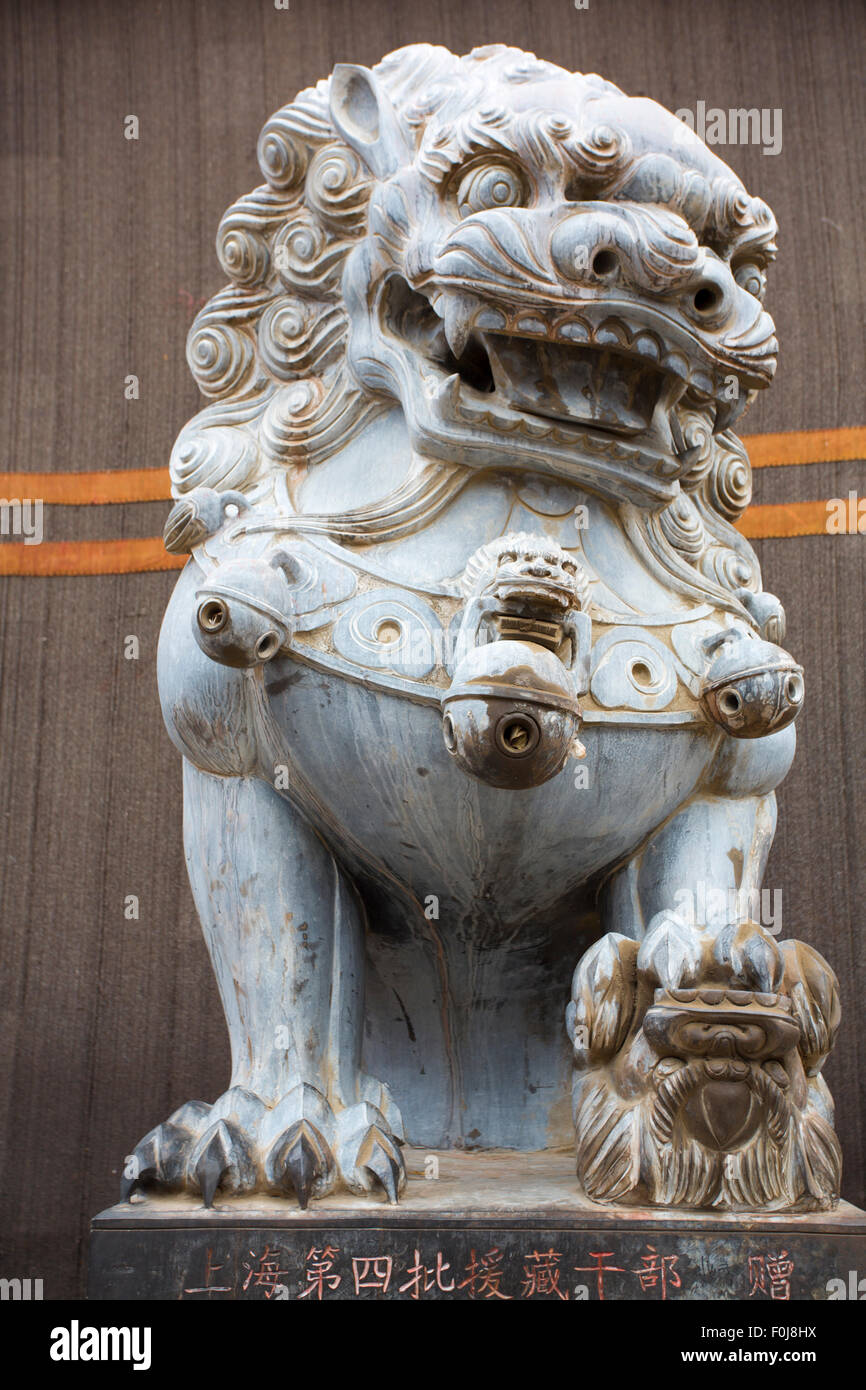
x=298, y=1147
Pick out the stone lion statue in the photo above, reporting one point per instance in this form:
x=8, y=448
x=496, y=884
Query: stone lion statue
x=469, y=665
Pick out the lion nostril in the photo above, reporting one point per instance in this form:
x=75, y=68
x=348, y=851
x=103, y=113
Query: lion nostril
x=707, y=299
x=574, y=254
x=604, y=262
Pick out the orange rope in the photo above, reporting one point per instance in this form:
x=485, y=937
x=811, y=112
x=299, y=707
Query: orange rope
x=153, y=485
x=792, y=447
x=784, y=519
x=90, y=489
x=805, y=446
x=88, y=557
x=139, y=556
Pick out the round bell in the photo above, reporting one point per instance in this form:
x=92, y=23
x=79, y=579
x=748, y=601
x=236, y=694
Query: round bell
x=243, y=613
x=510, y=714
x=752, y=688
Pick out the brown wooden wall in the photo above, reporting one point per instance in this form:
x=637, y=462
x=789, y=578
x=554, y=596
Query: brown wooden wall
x=109, y=1024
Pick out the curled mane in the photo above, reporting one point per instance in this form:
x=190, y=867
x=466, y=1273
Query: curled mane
x=269, y=349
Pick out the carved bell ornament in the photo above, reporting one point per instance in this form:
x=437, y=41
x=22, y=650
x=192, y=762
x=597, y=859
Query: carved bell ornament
x=243, y=614
x=752, y=688
x=511, y=715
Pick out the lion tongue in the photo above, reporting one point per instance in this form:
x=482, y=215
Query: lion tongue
x=595, y=387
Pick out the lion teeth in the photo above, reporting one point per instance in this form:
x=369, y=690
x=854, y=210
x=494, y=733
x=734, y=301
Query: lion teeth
x=701, y=382
x=574, y=331
x=647, y=345
x=448, y=393
x=676, y=363
x=533, y=326
x=491, y=320
x=609, y=335
x=461, y=315
x=536, y=428
x=458, y=325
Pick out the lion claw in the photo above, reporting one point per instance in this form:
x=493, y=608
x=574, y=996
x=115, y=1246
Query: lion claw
x=368, y=1154
x=300, y=1160
x=220, y=1159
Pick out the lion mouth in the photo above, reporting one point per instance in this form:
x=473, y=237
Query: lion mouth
x=544, y=593
x=602, y=379
x=546, y=386
x=600, y=388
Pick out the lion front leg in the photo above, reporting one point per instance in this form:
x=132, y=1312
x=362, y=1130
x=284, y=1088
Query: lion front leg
x=285, y=932
x=698, y=1037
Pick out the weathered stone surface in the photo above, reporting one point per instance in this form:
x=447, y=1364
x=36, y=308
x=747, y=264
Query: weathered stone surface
x=469, y=662
x=489, y=1226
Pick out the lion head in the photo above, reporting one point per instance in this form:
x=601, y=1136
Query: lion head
x=538, y=271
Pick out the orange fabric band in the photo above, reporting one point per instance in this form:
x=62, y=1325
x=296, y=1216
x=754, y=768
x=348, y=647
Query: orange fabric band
x=792, y=447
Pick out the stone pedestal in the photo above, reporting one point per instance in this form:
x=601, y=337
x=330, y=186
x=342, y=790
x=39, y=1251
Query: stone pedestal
x=500, y=1226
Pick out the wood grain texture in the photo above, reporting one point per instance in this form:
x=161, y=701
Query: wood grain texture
x=108, y=1024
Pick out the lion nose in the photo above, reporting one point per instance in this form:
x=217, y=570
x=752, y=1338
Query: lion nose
x=578, y=255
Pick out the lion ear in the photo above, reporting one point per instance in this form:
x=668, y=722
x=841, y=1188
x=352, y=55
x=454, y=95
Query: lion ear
x=363, y=114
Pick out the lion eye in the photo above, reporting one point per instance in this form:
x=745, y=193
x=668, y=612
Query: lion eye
x=490, y=186
x=750, y=278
